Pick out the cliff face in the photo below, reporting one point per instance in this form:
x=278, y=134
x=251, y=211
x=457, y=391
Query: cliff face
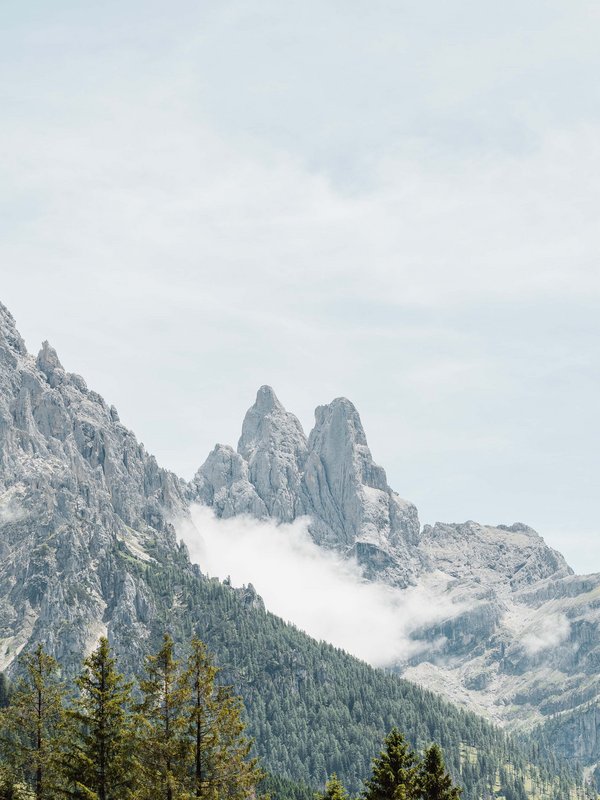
x=76, y=489
x=520, y=643
x=86, y=515
x=330, y=477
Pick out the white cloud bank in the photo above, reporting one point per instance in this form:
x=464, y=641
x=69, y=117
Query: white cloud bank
x=317, y=590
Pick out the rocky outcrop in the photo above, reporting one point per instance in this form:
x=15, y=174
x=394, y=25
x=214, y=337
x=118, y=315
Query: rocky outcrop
x=518, y=643
x=75, y=486
x=86, y=512
x=330, y=478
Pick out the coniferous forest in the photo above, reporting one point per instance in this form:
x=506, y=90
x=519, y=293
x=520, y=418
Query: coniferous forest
x=175, y=734
x=311, y=709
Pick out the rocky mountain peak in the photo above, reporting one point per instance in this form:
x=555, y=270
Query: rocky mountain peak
x=268, y=424
x=9, y=336
x=48, y=362
x=266, y=400
x=274, y=446
x=339, y=439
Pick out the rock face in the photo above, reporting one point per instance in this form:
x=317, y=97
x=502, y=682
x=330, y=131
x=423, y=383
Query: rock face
x=330, y=478
x=520, y=642
x=75, y=485
x=86, y=517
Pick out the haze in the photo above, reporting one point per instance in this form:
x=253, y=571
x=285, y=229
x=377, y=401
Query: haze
x=395, y=202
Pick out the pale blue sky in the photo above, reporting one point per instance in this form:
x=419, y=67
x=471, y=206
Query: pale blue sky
x=396, y=202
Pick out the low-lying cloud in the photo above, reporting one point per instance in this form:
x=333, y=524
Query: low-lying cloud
x=317, y=590
x=11, y=513
x=549, y=632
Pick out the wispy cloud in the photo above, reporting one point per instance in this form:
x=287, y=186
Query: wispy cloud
x=11, y=512
x=549, y=631
x=315, y=589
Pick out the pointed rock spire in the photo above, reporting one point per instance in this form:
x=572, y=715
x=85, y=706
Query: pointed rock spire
x=48, y=362
x=274, y=446
x=9, y=336
x=339, y=439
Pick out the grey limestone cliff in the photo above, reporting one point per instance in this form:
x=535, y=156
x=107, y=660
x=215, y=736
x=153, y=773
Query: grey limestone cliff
x=520, y=641
x=330, y=478
x=75, y=486
x=86, y=519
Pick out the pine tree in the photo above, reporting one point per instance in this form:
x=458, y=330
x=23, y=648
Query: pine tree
x=333, y=790
x=165, y=726
x=99, y=761
x=436, y=783
x=9, y=790
x=4, y=691
x=395, y=774
x=221, y=764
x=30, y=724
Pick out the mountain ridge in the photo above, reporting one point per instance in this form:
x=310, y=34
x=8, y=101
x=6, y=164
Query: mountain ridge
x=88, y=547
x=521, y=653
x=87, y=541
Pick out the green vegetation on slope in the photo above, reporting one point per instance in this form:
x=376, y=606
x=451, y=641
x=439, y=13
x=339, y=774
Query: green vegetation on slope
x=314, y=710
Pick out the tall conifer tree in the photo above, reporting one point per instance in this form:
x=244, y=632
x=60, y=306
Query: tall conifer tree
x=395, y=772
x=221, y=761
x=99, y=756
x=436, y=783
x=164, y=721
x=30, y=724
x=334, y=790
x=4, y=691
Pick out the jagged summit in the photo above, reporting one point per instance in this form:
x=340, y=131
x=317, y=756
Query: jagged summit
x=266, y=400
x=85, y=512
x=9, y=336
x=329, y=477
x=74, y=486
x=48, y=362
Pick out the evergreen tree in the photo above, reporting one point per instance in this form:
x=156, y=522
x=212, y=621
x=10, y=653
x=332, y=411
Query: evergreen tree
x=4, y=691
x=9, y=790
x=333, y=790
x=436, y=783
x=395, y=774
x=221, y=763
x=99, y=761
x=163, y=718
x=30, y=724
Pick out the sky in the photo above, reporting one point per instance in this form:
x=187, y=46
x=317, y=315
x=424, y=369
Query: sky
x=393, y=202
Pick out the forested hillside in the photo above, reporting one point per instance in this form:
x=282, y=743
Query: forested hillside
x=314, y=709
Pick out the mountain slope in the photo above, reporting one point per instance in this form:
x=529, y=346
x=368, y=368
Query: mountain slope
x=520, y=643
x=87, y=546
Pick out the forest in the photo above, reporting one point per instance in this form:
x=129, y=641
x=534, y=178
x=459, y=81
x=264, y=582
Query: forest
x=176, y=733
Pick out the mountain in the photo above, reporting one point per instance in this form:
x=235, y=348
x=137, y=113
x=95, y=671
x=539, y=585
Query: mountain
x=520, y=644
x=88, y=546
x=331, y=477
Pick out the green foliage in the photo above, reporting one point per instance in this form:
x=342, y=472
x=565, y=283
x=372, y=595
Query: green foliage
x=30, y=725
x=164, y=725
x=277, y=788
x=220, y=753
x=435, y=782
x=334, y=790
x=4, y=691
x=313, y=709
x=188, y=731
x=98, y=759
x=12, y=790
x=395, y=774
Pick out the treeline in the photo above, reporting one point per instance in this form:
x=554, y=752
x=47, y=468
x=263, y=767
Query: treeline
x=398, y=774
x=176, y=735
x=179, y=736
x=314, y=710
